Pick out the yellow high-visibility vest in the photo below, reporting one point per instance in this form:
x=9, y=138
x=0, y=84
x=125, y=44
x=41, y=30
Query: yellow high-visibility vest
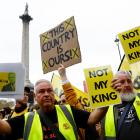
x=64, y=125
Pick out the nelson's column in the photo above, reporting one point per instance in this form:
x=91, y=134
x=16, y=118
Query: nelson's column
x=25, y=47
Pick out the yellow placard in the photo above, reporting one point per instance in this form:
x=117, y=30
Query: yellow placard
x=57, y=85
x=98, y=82
x=130, y=41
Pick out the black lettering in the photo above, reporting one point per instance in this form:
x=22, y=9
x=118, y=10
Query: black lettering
x=134, y=44
x=134, y=55
x=61, y=28
x=92, y=74
x=113, y=96
x=94, y=99
x=55, y=42
x=59, y=49
x=105, y=97
x=59, y=59
x=100, y=85
x=67, y=36
x=68, y=55
x=99, y=72
x=56, y=31
x=130, y=34
x=130, y=56
x=85, y=102
x=100, y=97
x=80, y=99
x=51, y=62
x=47, y=46
x=72, y=32
x=125, y=36
x=105, y=70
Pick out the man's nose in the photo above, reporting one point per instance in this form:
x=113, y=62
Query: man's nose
x=126, y=84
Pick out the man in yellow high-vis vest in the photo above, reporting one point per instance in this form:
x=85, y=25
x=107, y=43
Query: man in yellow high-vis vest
x=61, y=125
x=122, y=122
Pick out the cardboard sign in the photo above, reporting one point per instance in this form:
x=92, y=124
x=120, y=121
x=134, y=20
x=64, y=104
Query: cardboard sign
x=130, y=41
x=57, y=85
x=98, y=82
x=12, y=80
x=60, y=46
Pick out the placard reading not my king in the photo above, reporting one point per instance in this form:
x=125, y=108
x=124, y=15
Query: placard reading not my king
x=98, y=81
x=60, y=46
x=12, y=80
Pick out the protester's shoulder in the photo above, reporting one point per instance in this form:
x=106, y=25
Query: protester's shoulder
x=77, y=110
x=16, y=119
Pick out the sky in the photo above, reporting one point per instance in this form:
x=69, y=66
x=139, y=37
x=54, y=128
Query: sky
x=97, y=22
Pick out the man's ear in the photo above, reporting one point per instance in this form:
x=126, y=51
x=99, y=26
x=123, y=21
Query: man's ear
x=33, y=95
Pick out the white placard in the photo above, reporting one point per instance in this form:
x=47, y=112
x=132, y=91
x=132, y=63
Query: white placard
x=15, y=71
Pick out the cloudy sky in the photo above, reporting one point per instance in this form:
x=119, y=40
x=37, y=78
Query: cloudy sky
x=97, y=21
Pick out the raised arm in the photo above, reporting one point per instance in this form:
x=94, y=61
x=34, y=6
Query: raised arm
x=97, y=115
x=69, y=92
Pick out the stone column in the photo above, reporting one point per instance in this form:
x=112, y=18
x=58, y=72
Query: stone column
x=25, y=43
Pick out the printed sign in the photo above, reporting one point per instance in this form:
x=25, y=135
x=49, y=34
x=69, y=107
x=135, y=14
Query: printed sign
x=60, y=46
x=12, y=80
x=98, y=82
x=130, y=41
x=7, y=81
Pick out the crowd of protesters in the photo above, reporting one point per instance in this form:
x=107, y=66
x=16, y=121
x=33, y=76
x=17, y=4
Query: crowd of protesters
x=67, y=119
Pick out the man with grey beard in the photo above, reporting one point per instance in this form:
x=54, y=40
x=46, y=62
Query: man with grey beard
x=122, y=121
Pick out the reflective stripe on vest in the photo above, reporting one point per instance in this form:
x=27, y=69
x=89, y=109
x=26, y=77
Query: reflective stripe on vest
x=36, y=128
x=110, y=132
x=64, y=126
x=136, y=104
x=110, y=123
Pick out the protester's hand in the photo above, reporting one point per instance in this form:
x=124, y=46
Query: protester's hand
x=116, y=84
x=62, y=72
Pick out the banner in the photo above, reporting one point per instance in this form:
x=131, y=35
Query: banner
x=60, y=46
x=130, y=41
x=57, y=85
x=12, y=80
x=98, y=82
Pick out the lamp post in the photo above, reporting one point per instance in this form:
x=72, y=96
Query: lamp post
x=117, y=43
